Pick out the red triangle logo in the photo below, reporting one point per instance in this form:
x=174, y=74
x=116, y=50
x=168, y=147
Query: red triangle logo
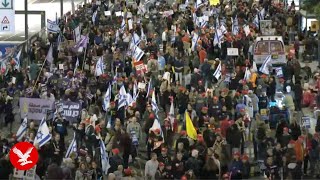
x=5, y=20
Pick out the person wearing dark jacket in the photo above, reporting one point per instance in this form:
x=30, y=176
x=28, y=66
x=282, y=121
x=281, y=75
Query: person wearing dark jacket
x=57, y=149
x=236, y=166
x=194, y=164
x=295, y=130
x=210, y=170
x=298, y=93
x=234, y=136
x=183, y=139
x=115, y=160
x=178, y=166
x=5, y=169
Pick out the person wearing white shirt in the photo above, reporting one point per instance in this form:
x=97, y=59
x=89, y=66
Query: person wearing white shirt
x=151, y=167
x=164, y=38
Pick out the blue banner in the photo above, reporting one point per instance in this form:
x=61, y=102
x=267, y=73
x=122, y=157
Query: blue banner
x=7, y=48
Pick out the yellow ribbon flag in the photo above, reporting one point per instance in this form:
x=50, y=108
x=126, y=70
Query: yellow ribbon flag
x=191, y=131
x=214, y=2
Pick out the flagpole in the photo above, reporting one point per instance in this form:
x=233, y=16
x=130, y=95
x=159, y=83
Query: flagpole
x=35, y=83
x=84, y=58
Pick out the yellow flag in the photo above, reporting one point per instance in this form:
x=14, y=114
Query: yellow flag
x=191, y=131
x=214, y=2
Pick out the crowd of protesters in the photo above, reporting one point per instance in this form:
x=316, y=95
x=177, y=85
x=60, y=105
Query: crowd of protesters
x=227, y=112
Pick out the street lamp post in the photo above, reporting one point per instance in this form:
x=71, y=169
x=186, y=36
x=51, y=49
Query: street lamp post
x=26, y=22
x=61, y=9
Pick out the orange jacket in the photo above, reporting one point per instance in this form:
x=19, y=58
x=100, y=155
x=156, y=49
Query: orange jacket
x=299, y=150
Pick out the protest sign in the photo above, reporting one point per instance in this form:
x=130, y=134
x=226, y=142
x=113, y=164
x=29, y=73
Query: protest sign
x=31, y=173
x=35, y=108
x=140, y=67
x=232, y=51
x=71, y=110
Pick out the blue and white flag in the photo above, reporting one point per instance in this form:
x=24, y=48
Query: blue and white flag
x=136, y=39
x=122, y=101
x=52, y=26
x=106, y=99
x=49, y=57
x=72, y=147
x=99, y=67
x=279, y=72
x=154, y=103
x=43, y=135
x=123, y=25
x=149, y=88
x=265, y=65
x=198, y=4
x=217, y=73
x=17, y=60
x=135, y=92
x=137, y=53
x=104, y=158
x=194, y=43
x=217, y=37
x=262, y=13
x=94, y=17
x=247, y=74
x=22, y=129
x=235, y=26
x=76, y=66
x=143, y=36
x=223, y=29
x=256, y=21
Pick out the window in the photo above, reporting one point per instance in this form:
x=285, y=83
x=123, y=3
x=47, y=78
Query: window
x=262, y=47
x=276, y=47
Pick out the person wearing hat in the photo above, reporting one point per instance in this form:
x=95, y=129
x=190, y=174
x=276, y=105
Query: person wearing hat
x=203, y=117
x=236, y=166
x=161, y=172
x=115, y=160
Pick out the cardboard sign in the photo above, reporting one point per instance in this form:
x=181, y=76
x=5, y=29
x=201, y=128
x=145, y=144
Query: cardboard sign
x=141, y=85
x=140, y=67
x=119, y=13
x=232, y=51
x=107, y=13
x=306, y=122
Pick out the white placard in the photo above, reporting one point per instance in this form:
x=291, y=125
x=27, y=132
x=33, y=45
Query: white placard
x=31, y=173
x=129, y=15
x=141, y=85
x=18, y=173
x=119, y=13
x=7, y=21
x=14, y=80
x=77, y=34
x=107, y=13
x=61, y=67
x=232, y=51
x=130, y=24
x=98, y=3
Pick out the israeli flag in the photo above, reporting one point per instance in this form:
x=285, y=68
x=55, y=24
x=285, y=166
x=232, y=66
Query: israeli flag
x=195, y=39
x=49, y=57
x=247, y=74
x=94, y=17
x=217, y=37
x=256, y=21
x=223, y=29
x=99, y=67
x=265, y=65
x=72, y=147
x=136, y=39
x=123, y=25
x=154, y=103
x=135, y=91
x=43, y=134
x=52, y=26
x=279, y=72
x=76, y=66
x=137, y=53
x=22, y=129
x=17, y=60
x=198, y=4
x=217, y=73
x=104, y=158
x=122, y=101
x=149, y=88
x=171, y=114
x=106, y=99
x=235, y=26
x=262, y=13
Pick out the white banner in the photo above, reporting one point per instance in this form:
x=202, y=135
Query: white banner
x=77, y=34
x=232, y=51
